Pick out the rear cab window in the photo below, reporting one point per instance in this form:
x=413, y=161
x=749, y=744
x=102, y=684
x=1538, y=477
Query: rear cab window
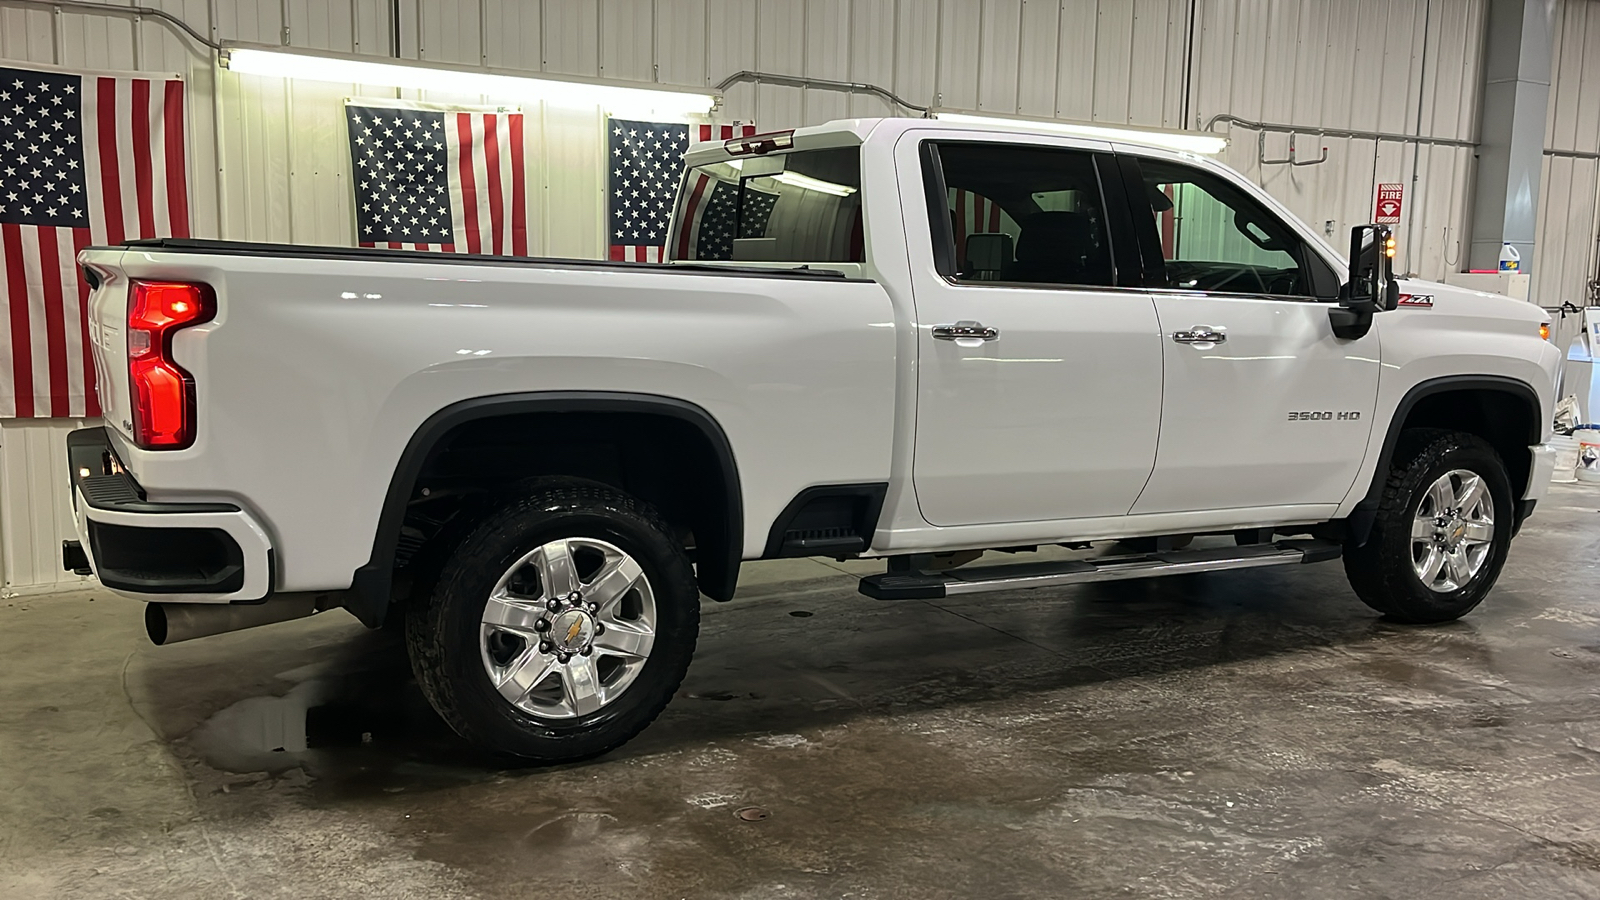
x=1021, y=214
x=799, y=207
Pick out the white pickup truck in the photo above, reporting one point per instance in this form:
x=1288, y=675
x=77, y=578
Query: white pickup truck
x=902, y=339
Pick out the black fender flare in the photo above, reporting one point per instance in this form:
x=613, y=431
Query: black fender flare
x=372, y=584
x=1362, y=516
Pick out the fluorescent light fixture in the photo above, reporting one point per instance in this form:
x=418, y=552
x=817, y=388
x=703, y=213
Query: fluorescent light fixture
x=1193, y=142
x=806, y=182
x=344, y=70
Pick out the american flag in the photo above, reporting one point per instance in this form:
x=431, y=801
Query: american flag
x=711, y=214
x=974, y=214
x=646, y=161
x=84, y=159
x=435, y=179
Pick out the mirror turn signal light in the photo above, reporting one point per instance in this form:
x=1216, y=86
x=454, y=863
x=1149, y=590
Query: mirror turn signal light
x=1388, y=247
x=1544, y=330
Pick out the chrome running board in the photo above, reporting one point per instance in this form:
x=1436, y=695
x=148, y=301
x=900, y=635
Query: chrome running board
x=1019, y=576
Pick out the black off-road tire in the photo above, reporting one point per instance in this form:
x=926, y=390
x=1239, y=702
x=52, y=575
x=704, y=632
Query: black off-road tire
x=1381, y=571
x=442, y=624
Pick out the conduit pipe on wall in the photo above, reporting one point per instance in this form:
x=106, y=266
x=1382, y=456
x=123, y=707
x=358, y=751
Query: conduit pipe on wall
x=107, y=9
x=801, y=81
x=1392, y=136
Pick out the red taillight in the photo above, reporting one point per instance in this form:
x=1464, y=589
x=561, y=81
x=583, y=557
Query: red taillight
x=163, y=393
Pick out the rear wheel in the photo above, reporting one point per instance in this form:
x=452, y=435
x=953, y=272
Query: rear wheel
x=560, y=626
x=1442, y=530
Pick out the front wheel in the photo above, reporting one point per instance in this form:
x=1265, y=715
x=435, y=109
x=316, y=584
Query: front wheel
x=1442, y=530
x=560, y=626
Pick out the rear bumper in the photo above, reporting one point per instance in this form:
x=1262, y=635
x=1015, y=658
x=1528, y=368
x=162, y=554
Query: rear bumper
x=168, y=552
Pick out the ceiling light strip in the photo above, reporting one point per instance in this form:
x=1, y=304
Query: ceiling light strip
x=401, y=74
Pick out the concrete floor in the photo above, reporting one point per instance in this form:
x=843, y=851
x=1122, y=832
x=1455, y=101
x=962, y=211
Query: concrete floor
x=1230, y=735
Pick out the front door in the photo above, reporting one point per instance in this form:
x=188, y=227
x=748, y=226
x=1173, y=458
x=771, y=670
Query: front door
x=1039, y=380
x=1262, y=405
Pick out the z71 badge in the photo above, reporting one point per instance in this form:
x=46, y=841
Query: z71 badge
x=1417, y=300
x=1325, y=416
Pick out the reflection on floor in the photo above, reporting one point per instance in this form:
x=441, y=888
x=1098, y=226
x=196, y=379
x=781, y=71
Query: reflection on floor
x=1256, y=733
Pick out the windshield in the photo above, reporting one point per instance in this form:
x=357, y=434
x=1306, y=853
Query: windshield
x=802, y=207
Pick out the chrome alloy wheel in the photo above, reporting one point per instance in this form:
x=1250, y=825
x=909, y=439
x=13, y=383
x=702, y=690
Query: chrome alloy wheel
x=568, y=628
x=1453, y=532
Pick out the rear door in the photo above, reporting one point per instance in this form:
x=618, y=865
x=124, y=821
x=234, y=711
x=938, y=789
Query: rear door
x=1039, y=377
x=1262, y=405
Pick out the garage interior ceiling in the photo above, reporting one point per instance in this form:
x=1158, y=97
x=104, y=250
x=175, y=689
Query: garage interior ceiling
x=271, y=158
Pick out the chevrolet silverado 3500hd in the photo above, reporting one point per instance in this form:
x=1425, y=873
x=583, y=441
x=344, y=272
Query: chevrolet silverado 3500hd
x=886, y=338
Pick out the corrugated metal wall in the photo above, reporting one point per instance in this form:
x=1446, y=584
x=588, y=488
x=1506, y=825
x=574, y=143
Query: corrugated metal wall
x=276, y=168
x=1356, y=65
x=1569, y=202
x=35, y=507
x=1314, y=63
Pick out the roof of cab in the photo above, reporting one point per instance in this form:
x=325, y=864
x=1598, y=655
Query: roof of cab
x=850, y=132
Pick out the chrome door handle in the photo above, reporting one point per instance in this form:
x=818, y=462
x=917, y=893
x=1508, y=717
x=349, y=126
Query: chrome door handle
x=964, y=331
x=1202, y=334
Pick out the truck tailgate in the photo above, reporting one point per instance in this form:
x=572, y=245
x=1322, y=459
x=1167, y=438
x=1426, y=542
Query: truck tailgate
x=108, y=340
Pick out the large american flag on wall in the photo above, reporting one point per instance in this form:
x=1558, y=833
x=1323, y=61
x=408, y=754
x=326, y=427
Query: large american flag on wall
x=646, y=163
x=84, y=159
x=432, y=178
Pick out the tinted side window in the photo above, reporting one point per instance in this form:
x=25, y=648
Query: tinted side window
x=1025, y=215
x=1215, y=237
x=803, y=206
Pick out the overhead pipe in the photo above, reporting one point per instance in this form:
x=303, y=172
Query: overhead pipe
x=801, y=81
x=107, y=9
x=1211, y=125
x=169, y=623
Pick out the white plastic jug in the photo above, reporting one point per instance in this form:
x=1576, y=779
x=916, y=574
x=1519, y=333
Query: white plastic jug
x=1588, y=453
x=1510, y=259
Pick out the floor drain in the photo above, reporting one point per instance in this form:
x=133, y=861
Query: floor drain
x=752, y=814
x=800, y=614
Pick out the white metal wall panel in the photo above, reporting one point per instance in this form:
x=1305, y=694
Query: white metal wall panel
x=324, y=26
x=320, y=199
x=512, y=37
x=257, y=21
x=1148, y=63
x=572, y=37
x=574, y=146
x=827, y=42
x=680, y=42
x=450, y=32
x=1113, y=55
x=916, y=62
x=1351, y=65
x=1075, y=65
x=26, y=34
x=731, y=47
x=1037, y=57
x=780, y=48
x=960, y=26
x=874, y=51
x=627, y=40
x=999, y=47
x=35, y=506
x=1568, y=238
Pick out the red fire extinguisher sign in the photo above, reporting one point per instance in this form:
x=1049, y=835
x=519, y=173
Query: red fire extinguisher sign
x=1390, y=196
